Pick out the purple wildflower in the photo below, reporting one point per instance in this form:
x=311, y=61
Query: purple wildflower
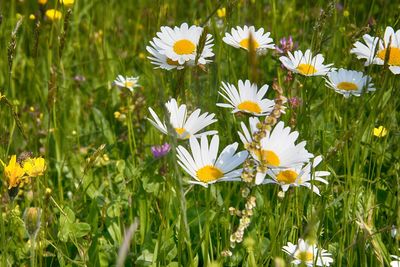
x=161, y=150
x=295, y=101
x=286, y=44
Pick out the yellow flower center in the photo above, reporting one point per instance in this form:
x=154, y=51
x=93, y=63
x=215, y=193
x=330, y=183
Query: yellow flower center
x=172, y=62
x=181, y=132
x=209, y=173
x=269, y=157
x=287, y=177
x=184, y=47
x=347, y=86
x=305, y=256
x=394, y=55
x=129, y=84
x=245, y=44
x=249, y=106
x=306, y=69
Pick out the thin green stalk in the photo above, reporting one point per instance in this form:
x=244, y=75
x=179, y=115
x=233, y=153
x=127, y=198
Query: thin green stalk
x=33, y=252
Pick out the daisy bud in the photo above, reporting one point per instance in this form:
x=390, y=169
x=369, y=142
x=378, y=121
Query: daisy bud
x=233, y=238
x=32, y=221
x=226, y=253
x=232, y=211
x=245, y=192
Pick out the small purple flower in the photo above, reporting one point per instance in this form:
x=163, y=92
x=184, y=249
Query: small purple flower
x=295, y=101
x=339, y=6
x=286, y=44
x=161, y=150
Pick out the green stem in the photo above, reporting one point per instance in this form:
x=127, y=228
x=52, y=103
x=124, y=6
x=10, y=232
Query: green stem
x=33, y=254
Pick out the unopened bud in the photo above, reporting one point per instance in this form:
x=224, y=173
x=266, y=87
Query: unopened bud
x=32, y=219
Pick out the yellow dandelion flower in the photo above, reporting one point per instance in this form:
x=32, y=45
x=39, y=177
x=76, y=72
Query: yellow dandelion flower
x=34, y=166
x=32, y=17
x=380, y=131
x=13, y=172
x=42, y=2
x=67, y=3
x=53, y=14
x=221, y=13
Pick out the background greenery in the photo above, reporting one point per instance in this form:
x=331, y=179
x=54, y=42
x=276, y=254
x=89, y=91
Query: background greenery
x=60, y=85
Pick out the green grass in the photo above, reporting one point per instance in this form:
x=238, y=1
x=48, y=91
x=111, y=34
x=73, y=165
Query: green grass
x=98, y=192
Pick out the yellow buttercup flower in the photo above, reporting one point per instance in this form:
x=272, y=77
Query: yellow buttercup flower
x=380, y=131
x=13, y=172
x=67, y=3
x=34, y=166
x=53, y=14
x=221, y=13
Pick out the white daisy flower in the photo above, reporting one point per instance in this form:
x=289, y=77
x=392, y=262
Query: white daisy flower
x=396, y=262
x=377, y=55
x=247, y=99
x=298, y=176
x=278, y=150
x=184, y=127
x=349, y=82
x=179, y=46
x=162, y=61
x=247, y=136
x=204, y=165
x=239, y=38
x=367, y=51
x=306, y=64
x=126, y=82
x=310, y=255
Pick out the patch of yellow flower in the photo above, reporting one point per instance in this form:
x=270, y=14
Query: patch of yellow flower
x=17, y=174
x=34, y=167
x=42, y=2
x=67, y=3
x=380, y=131
x=53, y=14
x=221, y=13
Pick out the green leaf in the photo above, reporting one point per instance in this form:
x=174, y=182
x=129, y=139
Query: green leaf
x=103, y=124
x=80, y=229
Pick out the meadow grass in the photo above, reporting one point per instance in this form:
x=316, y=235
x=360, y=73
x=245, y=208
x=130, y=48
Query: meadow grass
x=58, y=101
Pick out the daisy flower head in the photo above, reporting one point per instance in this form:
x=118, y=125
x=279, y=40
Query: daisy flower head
x=179, y=47
x=305, y=64
x=184, y=126
x=376, y=50
x=162, y=61
x=246, y=98
x=240, y=38
x=278, y=150
x=298, y=176
x=349, y=82
x=396, y=262
x=126, y=82
x=308, y=254
x=203, y=165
